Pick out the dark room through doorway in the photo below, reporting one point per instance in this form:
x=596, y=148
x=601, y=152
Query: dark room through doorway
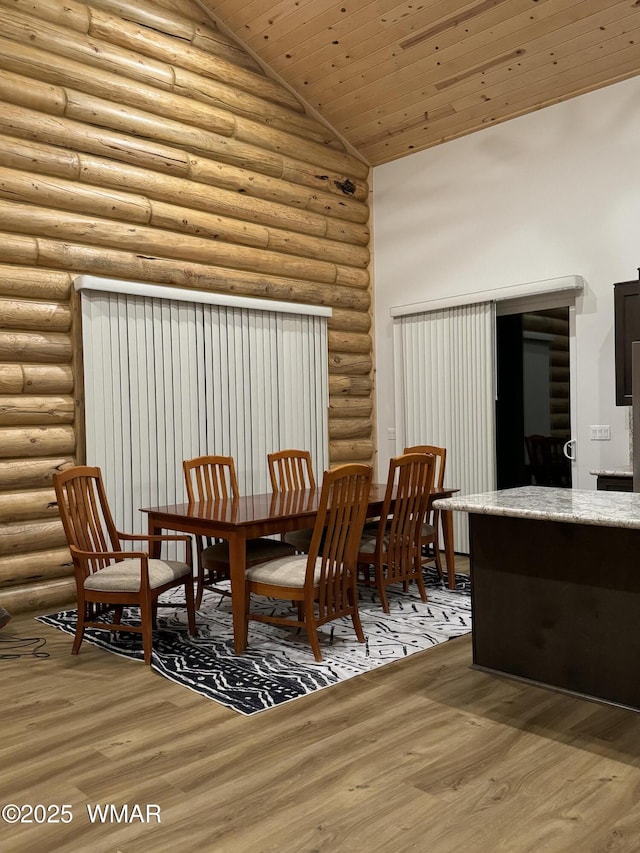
x=533, y=413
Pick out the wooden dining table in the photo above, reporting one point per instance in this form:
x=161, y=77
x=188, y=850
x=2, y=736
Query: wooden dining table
x=252, y=516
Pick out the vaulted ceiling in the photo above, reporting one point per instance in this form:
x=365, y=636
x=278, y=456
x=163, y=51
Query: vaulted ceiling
x=394, y=78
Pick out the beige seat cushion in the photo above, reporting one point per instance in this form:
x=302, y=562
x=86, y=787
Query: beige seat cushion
x=287, y=571
x=125, y=575
x=300, y=539
x=257, y=549
x=368, y=541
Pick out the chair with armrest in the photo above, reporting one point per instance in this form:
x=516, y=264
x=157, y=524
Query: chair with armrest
x=431, y=526
x=394, y=548
x=213, y=478
x=323, y=582
x=107, y=577
x=292, y=470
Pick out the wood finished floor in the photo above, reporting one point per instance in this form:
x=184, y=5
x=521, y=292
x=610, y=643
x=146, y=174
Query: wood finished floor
x=423, y=755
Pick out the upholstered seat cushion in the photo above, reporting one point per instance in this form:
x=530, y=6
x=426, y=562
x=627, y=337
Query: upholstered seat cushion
x=287, y=571
x=258, y=550
x=300, y=539
x=125, y=575
x=368, y=542
x=372, y=527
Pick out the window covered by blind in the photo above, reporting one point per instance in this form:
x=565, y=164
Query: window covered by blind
x=169, y=379
x=447, y=394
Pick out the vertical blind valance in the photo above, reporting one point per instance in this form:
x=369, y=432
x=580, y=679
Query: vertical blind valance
x=170, y=379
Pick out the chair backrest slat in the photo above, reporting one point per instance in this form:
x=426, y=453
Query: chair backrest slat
x=409, y=484
x=441, y=458
x=85, y=514
x=210, y=478
x=291, y=470
x=336, y=534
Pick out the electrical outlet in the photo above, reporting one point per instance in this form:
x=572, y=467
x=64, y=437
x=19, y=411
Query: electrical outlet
x=600, y=432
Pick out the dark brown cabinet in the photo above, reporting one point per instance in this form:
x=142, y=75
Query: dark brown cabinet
x=614, y=484
x=627, y=330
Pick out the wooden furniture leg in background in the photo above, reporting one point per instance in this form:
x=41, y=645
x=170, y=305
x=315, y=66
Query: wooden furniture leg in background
x=447, y=535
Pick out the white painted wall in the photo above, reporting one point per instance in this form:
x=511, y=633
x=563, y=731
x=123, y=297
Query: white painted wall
x=550, y=194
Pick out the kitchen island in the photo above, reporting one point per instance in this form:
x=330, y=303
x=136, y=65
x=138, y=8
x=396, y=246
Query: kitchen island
x=555, y=585
x=614, y=479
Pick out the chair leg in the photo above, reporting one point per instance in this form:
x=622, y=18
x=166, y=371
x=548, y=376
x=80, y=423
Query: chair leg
x=436, y=544
x=191, y=610
x=420, y=579
x=117, y=614
x=199, y=586
x=355, y=615
x=382, y=592
x=312, y=630
x=365, y=569
x=247, y=611
x=146, y=618
x=77, y=641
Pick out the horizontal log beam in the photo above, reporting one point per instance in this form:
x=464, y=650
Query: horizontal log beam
x=349, y=407
x=22, y=506
x=43, y=316
x=231, y=191
x=346, y=450
x=34, y=283
x=349, y=321
x=350, y=342
x=349, y=363
x=36, y=566
x=137, y=267
x=45, y=595
x=27, y=473
x=35, y=378
x=350, y=386
x=18, y=537
x=208, y=54
x=35, y=347
x=187, y=123
x=78, y=228
x=26, y=442
x=350, y=428
x=25, y=410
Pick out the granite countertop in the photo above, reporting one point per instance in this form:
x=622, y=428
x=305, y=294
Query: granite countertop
x=622, y=471
x=607, y=509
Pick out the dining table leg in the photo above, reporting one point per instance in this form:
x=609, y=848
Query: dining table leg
x=237, y=569
x=154, y=529
x=446, y=517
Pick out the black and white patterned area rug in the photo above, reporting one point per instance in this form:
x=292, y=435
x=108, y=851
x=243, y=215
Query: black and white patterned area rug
x=278, y=665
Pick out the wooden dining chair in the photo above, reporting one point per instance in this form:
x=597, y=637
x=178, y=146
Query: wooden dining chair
x=292, y=470
x=213, y=478
x=322, y=583
x=431, y=526
x=393, y=550
x=108, y=577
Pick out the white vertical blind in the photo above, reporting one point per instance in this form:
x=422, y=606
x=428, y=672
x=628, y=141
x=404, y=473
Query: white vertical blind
x=446, y=393
x=167, y=380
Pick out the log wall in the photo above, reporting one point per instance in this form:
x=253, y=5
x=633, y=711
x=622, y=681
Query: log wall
x=138, y=141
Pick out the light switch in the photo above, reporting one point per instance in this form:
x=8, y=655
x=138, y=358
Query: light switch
x=600, y=432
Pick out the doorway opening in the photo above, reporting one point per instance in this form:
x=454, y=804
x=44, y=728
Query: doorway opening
x=533, y=411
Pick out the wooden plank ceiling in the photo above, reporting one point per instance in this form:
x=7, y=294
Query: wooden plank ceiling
x=394, y=78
